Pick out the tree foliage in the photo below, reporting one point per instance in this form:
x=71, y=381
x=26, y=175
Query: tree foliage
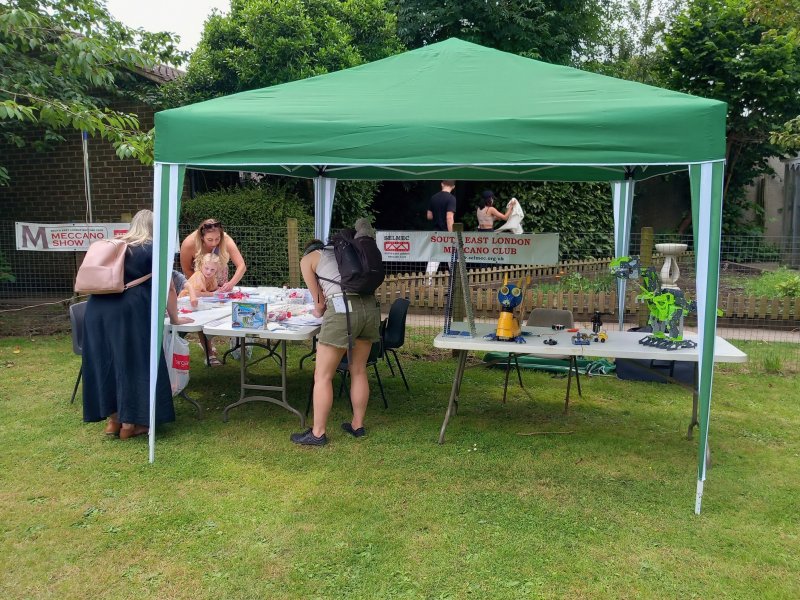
x=59, y=62
x=784, y=13
x=266, y=42
x=630, y=39
x=550, y=30
x=717, y=49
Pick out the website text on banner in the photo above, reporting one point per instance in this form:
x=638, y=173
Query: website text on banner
x=487, y=247
x=63, y=237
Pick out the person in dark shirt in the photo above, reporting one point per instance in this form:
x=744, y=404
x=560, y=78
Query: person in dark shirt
x=442, y=207
x=442, y=211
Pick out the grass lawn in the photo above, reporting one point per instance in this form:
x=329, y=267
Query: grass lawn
x=234, y=510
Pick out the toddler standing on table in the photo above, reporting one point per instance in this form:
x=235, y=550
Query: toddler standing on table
x=204, y=280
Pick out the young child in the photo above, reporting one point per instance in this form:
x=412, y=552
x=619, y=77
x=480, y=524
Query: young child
x=204, y=280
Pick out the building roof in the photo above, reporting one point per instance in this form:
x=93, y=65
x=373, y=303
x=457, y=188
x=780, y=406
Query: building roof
x=159, y=73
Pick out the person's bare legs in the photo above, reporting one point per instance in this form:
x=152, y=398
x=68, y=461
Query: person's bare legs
x=328, y=358
x=359, y=384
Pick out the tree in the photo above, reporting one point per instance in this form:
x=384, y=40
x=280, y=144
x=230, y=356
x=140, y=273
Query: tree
x=266, y=42
x=717, y=49
x=59, y=62
x=785, y=13
x=550, y=30
x=630, y=39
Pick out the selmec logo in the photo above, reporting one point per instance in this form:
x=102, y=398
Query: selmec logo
x=396, y=246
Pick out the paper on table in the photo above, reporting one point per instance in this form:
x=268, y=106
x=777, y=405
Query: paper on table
x=306, y=319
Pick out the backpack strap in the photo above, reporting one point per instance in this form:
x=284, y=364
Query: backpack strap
x=136, y=282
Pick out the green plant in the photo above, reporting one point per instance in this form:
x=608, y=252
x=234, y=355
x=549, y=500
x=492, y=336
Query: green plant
x=576, y=282
x=783, y=283
x=6, y=276
x=259, y=208
x=772, y=363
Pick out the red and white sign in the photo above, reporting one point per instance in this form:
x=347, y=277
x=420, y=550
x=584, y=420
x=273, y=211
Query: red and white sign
x=65, y=237
x=479, y=246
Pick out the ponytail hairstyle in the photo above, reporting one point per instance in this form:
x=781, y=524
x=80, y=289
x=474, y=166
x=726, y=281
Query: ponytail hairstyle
x=487, y=199
x=312, y=246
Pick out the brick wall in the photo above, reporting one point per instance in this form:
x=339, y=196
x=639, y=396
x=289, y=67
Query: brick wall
x=49, y=186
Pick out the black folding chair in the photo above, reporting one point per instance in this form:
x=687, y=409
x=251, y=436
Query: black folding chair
x=76, y=315
x=393, y=334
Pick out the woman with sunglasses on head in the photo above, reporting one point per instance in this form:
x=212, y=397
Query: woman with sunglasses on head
x=210, y=238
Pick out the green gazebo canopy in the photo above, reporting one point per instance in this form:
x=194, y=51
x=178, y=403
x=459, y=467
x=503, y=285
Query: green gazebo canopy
x=455, y=110
x=452, y=108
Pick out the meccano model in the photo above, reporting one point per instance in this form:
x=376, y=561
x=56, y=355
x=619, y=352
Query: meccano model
x=667, y=307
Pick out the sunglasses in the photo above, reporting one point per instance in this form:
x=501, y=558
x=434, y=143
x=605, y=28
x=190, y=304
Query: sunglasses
x=212, y=225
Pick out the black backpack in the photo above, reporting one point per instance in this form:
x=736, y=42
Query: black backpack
x=359, y=260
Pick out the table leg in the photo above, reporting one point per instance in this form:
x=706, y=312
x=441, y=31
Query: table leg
x=206, y=347
x=452, y=406
x=193, y=402
x=243, y=399
x=695, y=398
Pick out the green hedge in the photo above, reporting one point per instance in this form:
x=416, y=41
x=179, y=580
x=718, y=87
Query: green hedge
x=255, y=217
x=580, y=212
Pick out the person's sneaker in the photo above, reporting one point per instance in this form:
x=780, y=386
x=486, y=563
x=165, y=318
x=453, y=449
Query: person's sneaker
x=307, y=438
x=360, y=432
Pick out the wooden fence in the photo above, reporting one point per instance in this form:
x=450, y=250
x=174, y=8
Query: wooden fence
x=428, y=294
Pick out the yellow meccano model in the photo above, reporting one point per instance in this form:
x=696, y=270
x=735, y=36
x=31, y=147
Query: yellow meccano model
x=509, y=296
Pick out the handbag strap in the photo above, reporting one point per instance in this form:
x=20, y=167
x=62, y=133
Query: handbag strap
x=136, y=282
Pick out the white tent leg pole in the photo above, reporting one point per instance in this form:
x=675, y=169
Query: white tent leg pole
x=324, y=192
x=707, y=207
x=161, y=276
x=154, y=306
x=622, y=193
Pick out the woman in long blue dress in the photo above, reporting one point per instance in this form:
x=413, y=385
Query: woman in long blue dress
x=116, y=346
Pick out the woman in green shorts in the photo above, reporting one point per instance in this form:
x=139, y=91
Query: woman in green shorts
x=319, y=267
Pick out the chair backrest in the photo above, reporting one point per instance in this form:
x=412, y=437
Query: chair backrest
x=76, y=314
x=375, y=353
x=545, y=317
x=394, y=335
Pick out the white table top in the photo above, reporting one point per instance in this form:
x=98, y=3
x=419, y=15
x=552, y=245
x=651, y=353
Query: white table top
x=620, y=344
x=222, y=326
x=199, y=319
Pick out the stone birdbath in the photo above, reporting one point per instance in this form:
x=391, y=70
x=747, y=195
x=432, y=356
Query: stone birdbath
x=670, y=272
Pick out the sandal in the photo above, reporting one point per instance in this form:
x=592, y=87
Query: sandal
x=112, y=428
x=213, y=361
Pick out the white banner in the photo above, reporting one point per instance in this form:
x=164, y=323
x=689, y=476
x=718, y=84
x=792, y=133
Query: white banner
x=65, y=237
x=479, y=246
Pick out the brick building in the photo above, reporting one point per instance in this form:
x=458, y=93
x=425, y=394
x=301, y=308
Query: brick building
x=49, y=187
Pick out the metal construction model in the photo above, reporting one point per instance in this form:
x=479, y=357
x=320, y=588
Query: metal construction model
x=667, y=307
